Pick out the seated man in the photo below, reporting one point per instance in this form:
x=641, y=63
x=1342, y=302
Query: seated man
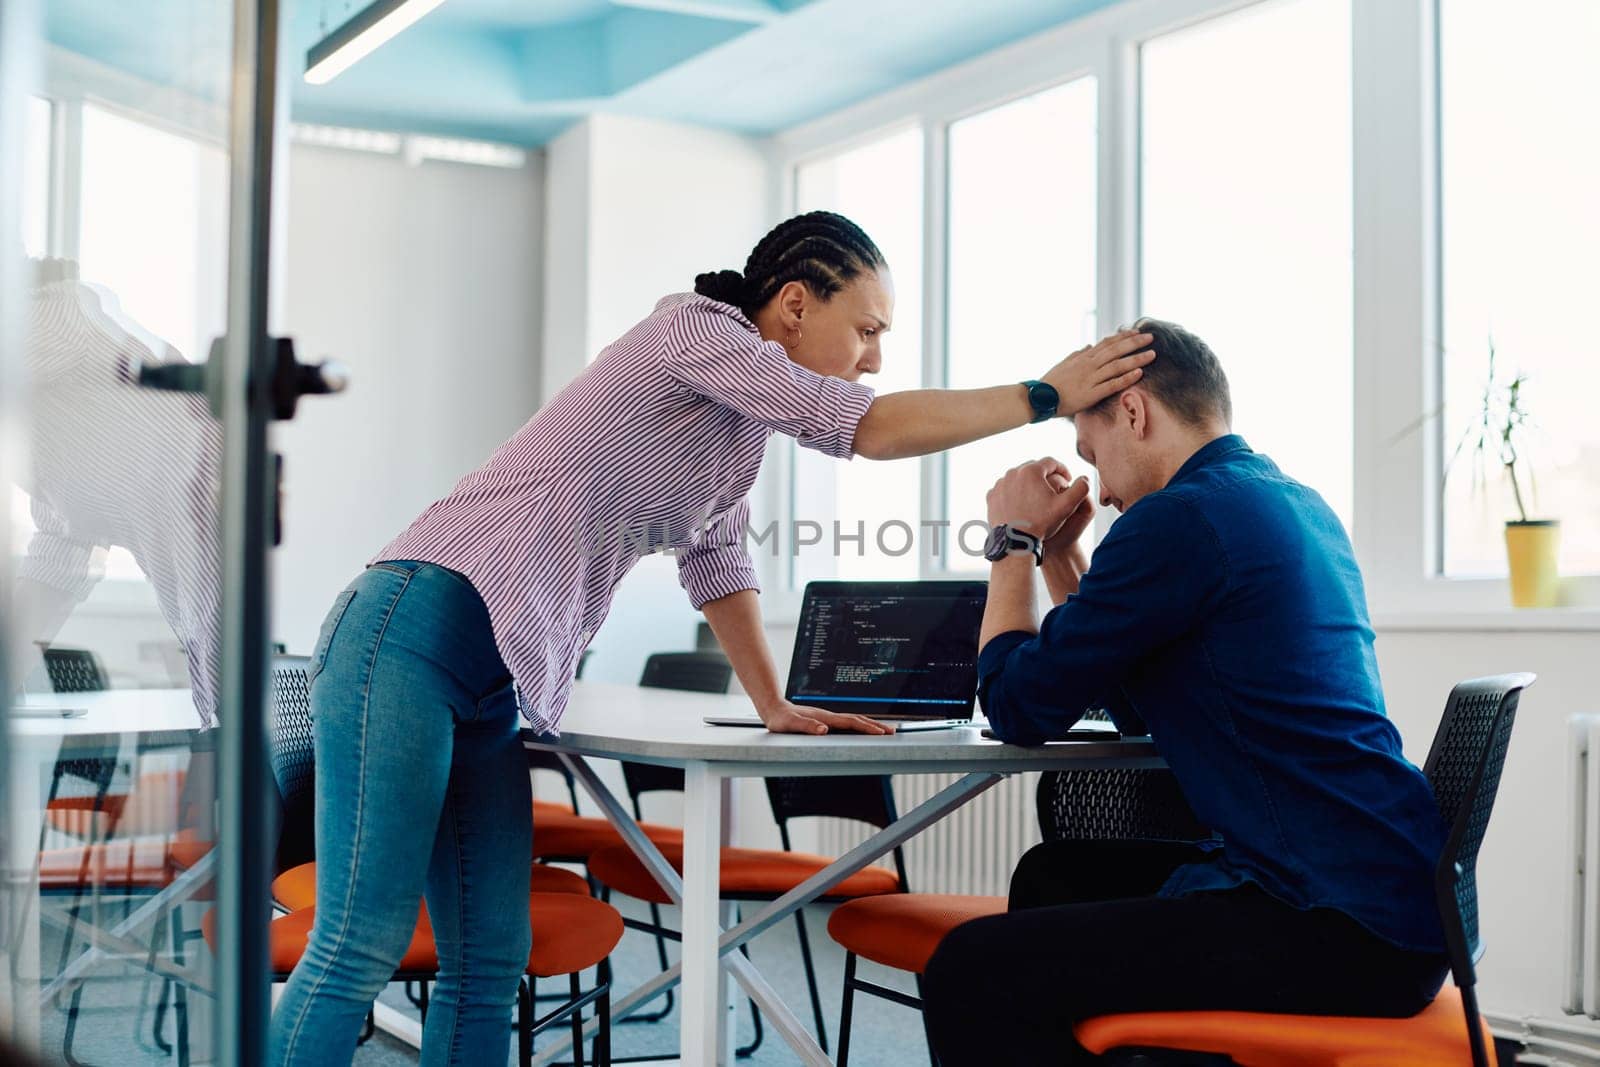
x=1225, y=611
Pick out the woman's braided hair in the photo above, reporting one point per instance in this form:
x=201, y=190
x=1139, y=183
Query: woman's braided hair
x=821, y=249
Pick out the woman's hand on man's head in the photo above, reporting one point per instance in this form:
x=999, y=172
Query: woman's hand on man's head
x=1097, y=371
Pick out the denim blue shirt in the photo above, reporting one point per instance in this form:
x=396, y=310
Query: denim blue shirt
x=1227, y=613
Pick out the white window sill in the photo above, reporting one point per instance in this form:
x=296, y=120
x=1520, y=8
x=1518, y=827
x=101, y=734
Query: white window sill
x=1501, y=620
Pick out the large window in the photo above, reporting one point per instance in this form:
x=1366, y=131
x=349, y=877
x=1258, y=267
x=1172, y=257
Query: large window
x=36, y=179
x=1264, y=174
x=1022, y=232
x=1520, y=196
x=154, y=210
x=879, y=187
x=1246, y=221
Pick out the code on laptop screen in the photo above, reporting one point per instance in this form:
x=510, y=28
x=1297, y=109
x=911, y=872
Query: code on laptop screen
x=888, y=643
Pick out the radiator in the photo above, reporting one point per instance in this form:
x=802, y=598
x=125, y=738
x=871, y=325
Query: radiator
x=971, y=851
x=1583, y=933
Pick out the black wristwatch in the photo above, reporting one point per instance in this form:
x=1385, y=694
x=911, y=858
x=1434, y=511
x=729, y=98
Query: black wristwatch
x=1043, y=398
x=1004, y=540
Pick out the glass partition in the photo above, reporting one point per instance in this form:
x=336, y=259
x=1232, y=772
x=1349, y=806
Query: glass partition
x=113, y=493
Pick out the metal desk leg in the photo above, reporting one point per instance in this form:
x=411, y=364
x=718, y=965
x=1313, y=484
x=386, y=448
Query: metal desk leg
x=19, y=897
x=777, y=1014
x=728, y=914
x=704, y=993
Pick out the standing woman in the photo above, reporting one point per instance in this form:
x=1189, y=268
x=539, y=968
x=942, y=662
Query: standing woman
x=484, y=604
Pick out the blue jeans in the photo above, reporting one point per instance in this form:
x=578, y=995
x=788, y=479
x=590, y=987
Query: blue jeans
x=422, y=788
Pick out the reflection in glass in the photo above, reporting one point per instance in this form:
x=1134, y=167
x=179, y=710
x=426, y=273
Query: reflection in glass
x=108, y=858
x=1022, y=270
x=1246, y=221
x=155, y=233
x=879, y=187
x=113, y=466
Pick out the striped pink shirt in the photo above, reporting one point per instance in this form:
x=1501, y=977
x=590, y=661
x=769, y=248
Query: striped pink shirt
x=655, y=446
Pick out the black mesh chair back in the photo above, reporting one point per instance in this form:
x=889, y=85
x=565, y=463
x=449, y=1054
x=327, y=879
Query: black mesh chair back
x=698, y=672
x=1115, y=805
x=293, y=759
x=866, y=798
x=74, y=670
x=74, y=760
x=1119, y=804
x=78, y=670
x=1463, y=767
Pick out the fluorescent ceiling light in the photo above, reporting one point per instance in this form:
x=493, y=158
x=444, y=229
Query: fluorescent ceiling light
x=344, y=137
x=450, y=150
x=366, y=31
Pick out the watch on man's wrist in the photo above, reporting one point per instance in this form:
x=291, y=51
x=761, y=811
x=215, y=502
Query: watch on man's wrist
x=1005, y=540
x=1043, y=399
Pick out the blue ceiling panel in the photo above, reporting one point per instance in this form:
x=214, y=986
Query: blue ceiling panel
x=520, y=71
x=643, y=43
x=833, y=53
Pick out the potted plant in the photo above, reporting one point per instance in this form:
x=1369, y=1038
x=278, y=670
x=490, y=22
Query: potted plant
x=1500, y=430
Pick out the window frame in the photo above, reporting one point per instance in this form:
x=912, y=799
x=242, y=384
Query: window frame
x=1395, y=286
x=934, y=104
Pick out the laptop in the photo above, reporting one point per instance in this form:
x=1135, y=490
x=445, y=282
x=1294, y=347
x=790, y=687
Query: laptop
x=904, y=653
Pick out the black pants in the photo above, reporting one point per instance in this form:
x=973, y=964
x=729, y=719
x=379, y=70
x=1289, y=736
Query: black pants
x=1085, y=937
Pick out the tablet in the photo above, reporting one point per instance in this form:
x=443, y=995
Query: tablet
x=1083, y=731
x=24, y=711
x=901, y=726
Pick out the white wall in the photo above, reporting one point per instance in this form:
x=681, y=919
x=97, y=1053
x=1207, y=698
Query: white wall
x=425, y=281
x=566, y=260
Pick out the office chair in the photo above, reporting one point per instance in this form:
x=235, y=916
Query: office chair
x=571, y=933
x=1463, y=767
x=902, y=932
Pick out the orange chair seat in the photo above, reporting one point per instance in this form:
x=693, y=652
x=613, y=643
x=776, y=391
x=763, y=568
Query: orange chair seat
x=126, y=863
x=746, y=872
x=150, y=807
x=902, y=930
x=577, y=837
x=187, y=849
x=546, y=809
x=86, y=817
x=570, y=933
x=1434, y=1037
x=296, y=888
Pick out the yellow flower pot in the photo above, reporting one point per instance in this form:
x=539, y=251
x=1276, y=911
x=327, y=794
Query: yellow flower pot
x=1531, y=550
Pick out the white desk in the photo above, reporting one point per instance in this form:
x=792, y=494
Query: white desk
x=116, y=717
x=663, y=727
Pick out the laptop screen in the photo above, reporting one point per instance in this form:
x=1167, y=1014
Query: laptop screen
x=889, y=648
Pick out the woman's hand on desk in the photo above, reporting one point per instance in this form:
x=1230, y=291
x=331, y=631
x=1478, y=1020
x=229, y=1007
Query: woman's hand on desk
x=786, y=718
